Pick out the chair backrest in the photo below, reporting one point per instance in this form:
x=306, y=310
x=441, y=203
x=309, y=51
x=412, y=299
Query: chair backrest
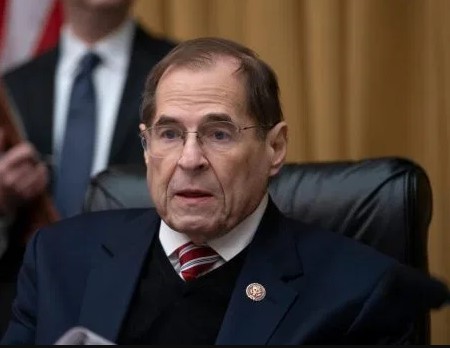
x=383, y=202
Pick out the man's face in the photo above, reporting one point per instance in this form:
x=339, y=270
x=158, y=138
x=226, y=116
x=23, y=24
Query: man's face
x=202, y=193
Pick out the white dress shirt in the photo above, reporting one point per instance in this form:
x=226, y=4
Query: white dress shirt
x=109, y=79
x=227, y=246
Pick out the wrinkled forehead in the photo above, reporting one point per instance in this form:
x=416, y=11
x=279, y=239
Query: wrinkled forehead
x=217, y=87
x=227, y=66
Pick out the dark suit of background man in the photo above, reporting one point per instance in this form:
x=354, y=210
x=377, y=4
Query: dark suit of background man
x=216, y=262
x=40, y=91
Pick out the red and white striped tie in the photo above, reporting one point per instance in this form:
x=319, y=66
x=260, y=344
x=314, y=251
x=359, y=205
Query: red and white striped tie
x=195, y=260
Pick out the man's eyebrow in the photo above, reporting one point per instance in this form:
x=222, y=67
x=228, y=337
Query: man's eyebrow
x=164, y=120
x=217, y=117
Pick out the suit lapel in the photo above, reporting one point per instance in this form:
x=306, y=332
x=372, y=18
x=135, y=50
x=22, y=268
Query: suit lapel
x=114, y=276
x=272, y=259
x=39, y=104
x=44, y=105
x=128, y=114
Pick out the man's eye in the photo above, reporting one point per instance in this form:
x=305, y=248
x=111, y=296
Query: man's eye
x=168, y=134
x=219, y=135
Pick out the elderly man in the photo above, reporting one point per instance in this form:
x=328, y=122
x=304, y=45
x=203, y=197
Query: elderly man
x=216, y=262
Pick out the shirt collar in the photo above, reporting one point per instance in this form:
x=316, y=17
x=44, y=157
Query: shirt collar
x=113, y=49
x=228, y=245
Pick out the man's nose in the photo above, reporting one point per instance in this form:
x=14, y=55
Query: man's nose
x=192, y=155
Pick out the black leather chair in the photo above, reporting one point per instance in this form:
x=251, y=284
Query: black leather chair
x=382, y=202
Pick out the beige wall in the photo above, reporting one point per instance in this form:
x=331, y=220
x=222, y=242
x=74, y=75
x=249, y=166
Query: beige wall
x=359, y=78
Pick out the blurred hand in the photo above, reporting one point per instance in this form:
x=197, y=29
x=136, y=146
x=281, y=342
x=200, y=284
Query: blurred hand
x=22, y=176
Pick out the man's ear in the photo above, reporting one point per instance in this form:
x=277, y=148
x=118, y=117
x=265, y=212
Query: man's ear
x=277, y=142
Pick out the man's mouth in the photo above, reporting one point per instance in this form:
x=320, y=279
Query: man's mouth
x=193, y=193
x=194, y=196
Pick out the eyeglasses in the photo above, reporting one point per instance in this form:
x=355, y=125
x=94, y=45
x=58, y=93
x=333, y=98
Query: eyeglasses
x=216, y=136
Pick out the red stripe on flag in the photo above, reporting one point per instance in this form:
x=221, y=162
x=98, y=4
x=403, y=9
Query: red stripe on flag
x=4, y=6
x=50, y=33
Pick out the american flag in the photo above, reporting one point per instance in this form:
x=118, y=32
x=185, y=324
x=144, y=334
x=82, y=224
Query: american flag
x=27, y=28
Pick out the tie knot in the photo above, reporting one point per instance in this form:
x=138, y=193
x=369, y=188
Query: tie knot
x=88, y=62
x=195, y=260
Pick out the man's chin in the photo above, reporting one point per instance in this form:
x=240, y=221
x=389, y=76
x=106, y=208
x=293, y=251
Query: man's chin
x=195, y=226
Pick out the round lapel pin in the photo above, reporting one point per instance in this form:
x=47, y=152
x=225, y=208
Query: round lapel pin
x=255, y=292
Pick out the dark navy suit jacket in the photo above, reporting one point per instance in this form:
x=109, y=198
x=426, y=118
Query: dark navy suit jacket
x=320, y=287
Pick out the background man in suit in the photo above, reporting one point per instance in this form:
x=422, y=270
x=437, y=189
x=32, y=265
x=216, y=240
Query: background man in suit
x=41, y=93
x=216, y=262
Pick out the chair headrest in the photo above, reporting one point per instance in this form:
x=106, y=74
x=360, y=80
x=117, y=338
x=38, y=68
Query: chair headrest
x=383, y=202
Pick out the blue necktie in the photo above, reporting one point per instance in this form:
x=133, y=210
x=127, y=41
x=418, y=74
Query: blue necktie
x=75, y=165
